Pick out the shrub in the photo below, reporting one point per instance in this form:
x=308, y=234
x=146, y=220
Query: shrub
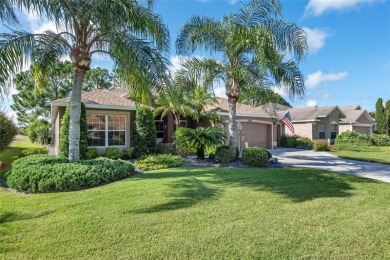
x=144, y=132
x=356, y=147
x=92, y=153
x=64, y=133
x=303, y=143
x=161, y=161
x=199, y=138
x=39, y=131
x=211, y=149
x=44, y=173
x=113, y=153
x=380, y=140
x=223, y=154
x=185, y=151
x=319, y=145
x=34, y=150
x=127, y=153
x=288, y=141
x=352, y=141
x=269, y=154
x=255, y=156
x=8, y=130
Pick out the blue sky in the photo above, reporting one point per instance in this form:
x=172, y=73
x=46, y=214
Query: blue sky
x=349, y=40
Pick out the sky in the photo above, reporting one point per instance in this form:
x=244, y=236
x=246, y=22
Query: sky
x=348, y=62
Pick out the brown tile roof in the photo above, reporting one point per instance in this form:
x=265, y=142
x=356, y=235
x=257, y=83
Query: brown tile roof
x=113, y=97
x=222, y=105
x=310, y=113
x=353, y=113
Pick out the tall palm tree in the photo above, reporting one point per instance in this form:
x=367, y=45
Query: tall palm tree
x=253, y=44
x=126, y=31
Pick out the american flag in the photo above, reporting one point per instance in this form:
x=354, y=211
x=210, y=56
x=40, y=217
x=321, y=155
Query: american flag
x=287, y=121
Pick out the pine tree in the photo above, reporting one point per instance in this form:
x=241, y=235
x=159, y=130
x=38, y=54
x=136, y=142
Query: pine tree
x=144, y=132
x=387, y=111
x=380, y=117
x=64, y=133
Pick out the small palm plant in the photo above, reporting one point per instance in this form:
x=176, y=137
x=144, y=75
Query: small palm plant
x=199, y=138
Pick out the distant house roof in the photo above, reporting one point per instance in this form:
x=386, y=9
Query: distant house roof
x=311, y=113
x=353, y=114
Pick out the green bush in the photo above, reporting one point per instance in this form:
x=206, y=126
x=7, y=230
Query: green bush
x=223, y=154
x=199, y=138
x=185, y=151
x=380, y=140
x=255, y=156
x=356, y=147
x=39, y=131
x=113, y=153
x=352, y=137
x=161, y=161
x=64, y=133
x=144, y=132
x=44, y=173
x=34, y=150
x=211, y=149
x=269, y=154
x=303, y=143
x=127, y=153
x=8, y=130
x=288, y=141
x=92, y=153
x=319, y=145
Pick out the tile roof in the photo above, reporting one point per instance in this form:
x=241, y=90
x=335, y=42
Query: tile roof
x=113, y=97
x=310, y=113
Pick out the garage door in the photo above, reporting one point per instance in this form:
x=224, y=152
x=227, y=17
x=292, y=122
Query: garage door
x=255, y=134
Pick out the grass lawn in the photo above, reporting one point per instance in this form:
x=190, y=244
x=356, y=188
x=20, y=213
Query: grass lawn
x=11, y=153
x=202, y=214
x=382, y=156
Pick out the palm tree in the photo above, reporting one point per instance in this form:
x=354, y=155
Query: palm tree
x=254, y=44
x=126, y=31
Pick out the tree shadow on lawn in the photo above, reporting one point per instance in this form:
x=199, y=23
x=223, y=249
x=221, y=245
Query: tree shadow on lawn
x=14, y=216
x=295, y=184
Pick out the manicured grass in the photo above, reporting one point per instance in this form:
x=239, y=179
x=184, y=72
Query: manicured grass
x=203, y=214
x=382, y=156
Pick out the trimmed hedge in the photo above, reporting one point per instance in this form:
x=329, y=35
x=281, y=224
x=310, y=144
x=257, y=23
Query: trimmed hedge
x=34, y=150
x=223, y=154
x=92, y=153
x=255, y=156
x=127, y=153
x=319, y=145
x=44, y=173
x=161, y=161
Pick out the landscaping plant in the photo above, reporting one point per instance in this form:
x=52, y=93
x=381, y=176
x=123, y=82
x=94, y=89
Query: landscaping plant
x=34, y=150
x=199, y=138
x=8, y=130
x=223, y=154
x=255, y=156
x=144, y=132
x=39, y=131
x=35, y=173
x=113, y=153
x=319, y=145
x=160, y=161
x=127, y=153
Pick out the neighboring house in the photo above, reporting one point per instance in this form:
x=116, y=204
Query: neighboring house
x=325, y=123
x=111, y=113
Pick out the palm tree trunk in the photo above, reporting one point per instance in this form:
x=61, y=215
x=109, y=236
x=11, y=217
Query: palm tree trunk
x=232, y=122
x=74, y=116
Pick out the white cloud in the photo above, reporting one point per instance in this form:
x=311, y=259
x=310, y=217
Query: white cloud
x=317, y=78
x=38, y=24
x=311, y=103
x=316, y=38
x=319, y=7
x=327, y=96
x=220, y=90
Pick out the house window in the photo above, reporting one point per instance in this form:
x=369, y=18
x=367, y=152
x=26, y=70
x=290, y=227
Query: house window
x=159, y=129
x=106, y=130
x=182, y=121
x=321, y=131
x=333, y=131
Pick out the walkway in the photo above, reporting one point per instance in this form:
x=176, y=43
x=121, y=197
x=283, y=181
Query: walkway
x=326, y=161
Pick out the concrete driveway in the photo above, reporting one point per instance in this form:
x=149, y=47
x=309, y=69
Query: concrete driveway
x=326, y=161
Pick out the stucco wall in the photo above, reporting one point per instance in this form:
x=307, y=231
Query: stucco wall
x=345, y=128
x=301, y=129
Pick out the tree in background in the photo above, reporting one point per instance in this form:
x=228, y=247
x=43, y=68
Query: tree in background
x=126, y=31
x=255, y=97
x=97, y=78
x=387, y=112
x=31, y=101
x=8, y=130
x=380, y=117
x=64, y=132
x=39, y=132
x=253, y=44
x=144, y=132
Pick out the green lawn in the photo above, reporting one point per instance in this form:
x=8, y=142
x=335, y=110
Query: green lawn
x=382, y=156
x=203, y=214
x=12, y=152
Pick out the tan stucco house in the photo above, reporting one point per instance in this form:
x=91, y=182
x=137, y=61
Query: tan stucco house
x=325, y=123
x=111, y=113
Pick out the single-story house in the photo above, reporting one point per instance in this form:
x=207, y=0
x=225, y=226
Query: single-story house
x=325, y=123
x=111, y=113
